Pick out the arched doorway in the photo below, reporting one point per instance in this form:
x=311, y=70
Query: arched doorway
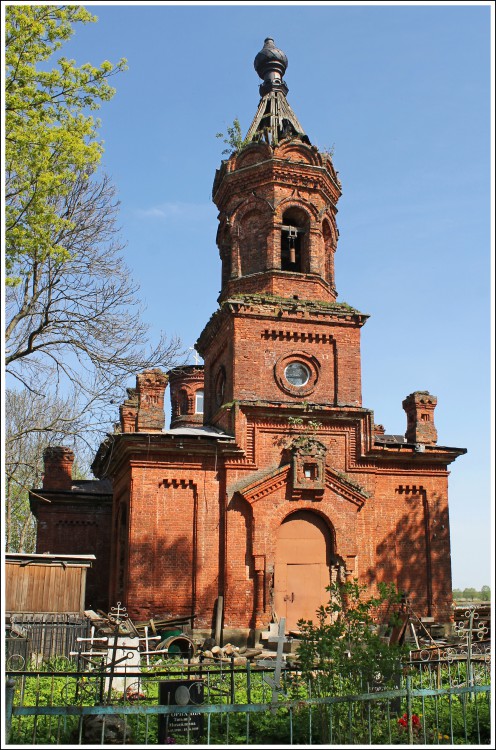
x=302, y=567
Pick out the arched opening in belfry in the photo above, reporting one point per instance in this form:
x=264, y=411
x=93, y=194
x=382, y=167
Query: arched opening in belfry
x=329, y=252
x=292, y=240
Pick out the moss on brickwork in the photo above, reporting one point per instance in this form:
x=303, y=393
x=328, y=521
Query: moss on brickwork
x=352, y=482
x=269, y=300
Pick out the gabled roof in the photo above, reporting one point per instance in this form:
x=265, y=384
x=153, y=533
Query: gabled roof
x=263, y=483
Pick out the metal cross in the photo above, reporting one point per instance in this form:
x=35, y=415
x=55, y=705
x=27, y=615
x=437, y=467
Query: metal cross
x=195, y=354
x=88, y=655
x=117, y=614
x=147, y=651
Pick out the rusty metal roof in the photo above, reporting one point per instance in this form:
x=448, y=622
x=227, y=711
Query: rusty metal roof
x=206, y=431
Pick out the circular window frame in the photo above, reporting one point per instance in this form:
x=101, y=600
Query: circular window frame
x=305, y=369
x=310, y=362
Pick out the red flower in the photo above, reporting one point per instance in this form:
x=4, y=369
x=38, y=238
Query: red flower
x=403, y=722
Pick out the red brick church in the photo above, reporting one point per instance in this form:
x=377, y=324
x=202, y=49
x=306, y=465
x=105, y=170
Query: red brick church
x=272, y=480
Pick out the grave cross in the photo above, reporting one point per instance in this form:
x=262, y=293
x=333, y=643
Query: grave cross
x=147, y=650
x=88, y=655
x=275, y=682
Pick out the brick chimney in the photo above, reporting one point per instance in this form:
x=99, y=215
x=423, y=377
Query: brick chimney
x=419, y=407
x=58, y=463
x=150, y=390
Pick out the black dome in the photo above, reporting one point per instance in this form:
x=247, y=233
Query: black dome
x=270, y=58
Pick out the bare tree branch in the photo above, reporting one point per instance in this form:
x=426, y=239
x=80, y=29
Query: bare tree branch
x=74, y=336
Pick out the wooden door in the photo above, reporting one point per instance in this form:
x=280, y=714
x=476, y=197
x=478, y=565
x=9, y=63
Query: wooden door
x=301, y=571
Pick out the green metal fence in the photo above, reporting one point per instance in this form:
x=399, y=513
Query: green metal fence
x=437, y=702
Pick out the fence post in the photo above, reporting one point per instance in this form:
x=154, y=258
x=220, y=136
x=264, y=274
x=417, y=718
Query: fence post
x=409, y=709
x=470, y=675
x=9, y=701
x=233, y=691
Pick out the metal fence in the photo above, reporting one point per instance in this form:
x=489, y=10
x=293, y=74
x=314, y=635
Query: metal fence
x=437, y=701
x=37, y=637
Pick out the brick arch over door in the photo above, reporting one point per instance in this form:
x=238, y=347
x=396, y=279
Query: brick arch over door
x=304, y=555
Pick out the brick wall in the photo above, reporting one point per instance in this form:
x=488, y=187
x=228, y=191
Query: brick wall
x=173, y=555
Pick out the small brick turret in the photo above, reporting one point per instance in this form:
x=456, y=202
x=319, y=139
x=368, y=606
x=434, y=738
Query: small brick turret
x=186, y=393
x=150, y=388
x=143, y=410
x=58, y=463
x=419, y=407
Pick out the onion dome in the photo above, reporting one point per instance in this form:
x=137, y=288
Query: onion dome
x=271, y=64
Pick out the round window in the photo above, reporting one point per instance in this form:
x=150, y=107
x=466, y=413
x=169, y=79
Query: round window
x=297, y=374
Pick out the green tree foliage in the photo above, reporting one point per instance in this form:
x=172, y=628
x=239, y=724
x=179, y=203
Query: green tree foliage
x=234, y=139
x=469, y=593
x=342, y=652
x=485, y=594
x=50, y=133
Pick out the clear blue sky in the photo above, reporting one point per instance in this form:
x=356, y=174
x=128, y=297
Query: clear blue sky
x=402, y=93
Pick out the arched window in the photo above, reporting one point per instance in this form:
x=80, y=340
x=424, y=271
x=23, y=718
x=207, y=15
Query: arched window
x=199, y=402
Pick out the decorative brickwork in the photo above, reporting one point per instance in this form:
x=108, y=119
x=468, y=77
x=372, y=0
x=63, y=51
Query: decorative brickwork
x=419, y=407
x=150, y=389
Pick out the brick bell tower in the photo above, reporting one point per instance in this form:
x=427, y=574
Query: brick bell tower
x=279, y=335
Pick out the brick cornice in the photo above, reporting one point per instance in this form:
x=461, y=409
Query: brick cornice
x=145, y=449
x=279, y=309
x=342, y=486
x=277, y=172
